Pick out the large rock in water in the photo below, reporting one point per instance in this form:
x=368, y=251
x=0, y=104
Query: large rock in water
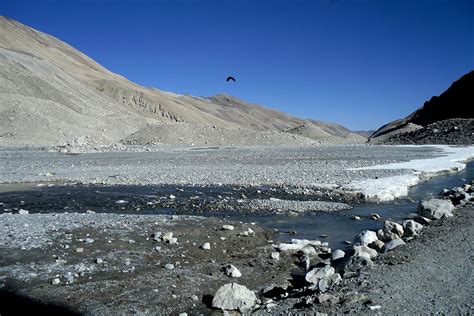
x=365, y=238
x=390, y=231
x=435, y=208
x=233, y=296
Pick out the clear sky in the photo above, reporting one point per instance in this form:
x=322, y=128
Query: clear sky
x=359, y=63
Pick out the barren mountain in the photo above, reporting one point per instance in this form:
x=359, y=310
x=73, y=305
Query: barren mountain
x=454, y=103
x=326, y=133
x=52, y=94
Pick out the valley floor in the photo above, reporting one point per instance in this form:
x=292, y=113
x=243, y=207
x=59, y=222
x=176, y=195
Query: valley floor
x=54, y=258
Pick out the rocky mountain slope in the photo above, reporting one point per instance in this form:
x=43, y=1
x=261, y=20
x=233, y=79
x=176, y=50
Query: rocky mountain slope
x=448, y=132
x=52, y=94
x=455, y=103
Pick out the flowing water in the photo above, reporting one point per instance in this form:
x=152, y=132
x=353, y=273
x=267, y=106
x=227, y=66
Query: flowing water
x=335, y=227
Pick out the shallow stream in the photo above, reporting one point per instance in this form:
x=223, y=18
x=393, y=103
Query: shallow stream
x=332, y=227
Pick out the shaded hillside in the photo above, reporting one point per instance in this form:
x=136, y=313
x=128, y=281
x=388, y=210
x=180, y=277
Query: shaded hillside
x=456, y=102
x=448, y=132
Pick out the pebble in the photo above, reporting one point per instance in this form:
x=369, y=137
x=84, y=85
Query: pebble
x=356, y=218
x=206, y=246
x=89, y=240
x=55, y=281
x=169, y=266
x=375, y=216
x=69, y=278
x=99, y=261
x=167, y=236
x=275, y=255
x=375, y=307
x=79, y=249
x=23, y=212
x=227, y=227
x=157, y=236
x=232, y=271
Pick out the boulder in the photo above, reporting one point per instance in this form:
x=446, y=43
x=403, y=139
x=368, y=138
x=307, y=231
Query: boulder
x=365, y=251
x=233, y=296
x=290, y=247
x=304, y=262
x=323, y=278
x=392, y=245
x=377, y=245
x=459, y=198
x=337, y=254
x=390, y=231
x=354, y=264
x=435, y=208
x=335, y=278
x=422, y=220
x=315, y=275
x=365, y=237
x=412, y=228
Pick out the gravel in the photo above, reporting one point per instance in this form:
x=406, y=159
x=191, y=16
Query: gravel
x=318, y=166
x=294, y=207
x=127, y=276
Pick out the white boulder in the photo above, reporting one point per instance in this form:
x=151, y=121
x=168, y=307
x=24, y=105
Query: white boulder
x=436, y=208
x=365, y=251
x=365, y=237
x=233, y=296
x=337, y=254
x=321, y=277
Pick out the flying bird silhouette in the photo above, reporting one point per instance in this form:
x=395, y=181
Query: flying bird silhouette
x=230, y=78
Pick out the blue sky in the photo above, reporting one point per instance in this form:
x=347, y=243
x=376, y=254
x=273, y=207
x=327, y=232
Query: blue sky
x=358, y=63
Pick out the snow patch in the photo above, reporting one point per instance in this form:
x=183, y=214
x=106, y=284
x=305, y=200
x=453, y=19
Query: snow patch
x=386, y=189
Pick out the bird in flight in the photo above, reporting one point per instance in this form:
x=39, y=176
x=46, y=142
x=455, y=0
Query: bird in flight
x=230, y=78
